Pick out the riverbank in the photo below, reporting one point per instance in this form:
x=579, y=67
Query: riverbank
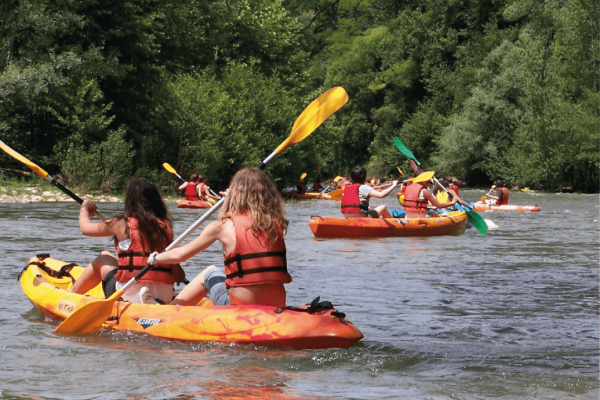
x=15, y=193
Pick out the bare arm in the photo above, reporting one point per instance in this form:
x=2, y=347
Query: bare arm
x=213, y=232
x=183, y=186
x=101, y=229
x=431, y=198
x=381, y=194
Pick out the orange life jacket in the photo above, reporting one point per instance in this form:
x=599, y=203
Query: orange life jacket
x=255, y=260
x=135, y=258
x=412, y=203
x=190, y=191
x=350, y=200
x=504, y=199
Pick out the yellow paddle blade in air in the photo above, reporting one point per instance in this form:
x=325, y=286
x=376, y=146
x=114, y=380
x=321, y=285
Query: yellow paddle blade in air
x=169, y=168
x=314, y=115
x=303, y=175
x=337, y=178
x=399, y=170
x=425, y=176
x=24, y=160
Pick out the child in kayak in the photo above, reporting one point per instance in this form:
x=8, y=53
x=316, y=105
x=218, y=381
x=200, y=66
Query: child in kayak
x=355, y=200
x=143, y=227
x=250, y=227
x=418, y=197
x=500, y=197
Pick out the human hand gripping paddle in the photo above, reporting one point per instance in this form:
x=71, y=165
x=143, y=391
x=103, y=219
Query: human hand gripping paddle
x=169, y=168
x=477, y=221
x=43, y=174
x=91, y=316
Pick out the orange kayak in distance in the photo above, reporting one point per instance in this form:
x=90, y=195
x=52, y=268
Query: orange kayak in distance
x=315, y=326
x=306, y=196
x=479, y=206
x=452, y=223
x=184, y=203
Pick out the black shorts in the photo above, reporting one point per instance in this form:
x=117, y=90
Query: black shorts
x=109, y=283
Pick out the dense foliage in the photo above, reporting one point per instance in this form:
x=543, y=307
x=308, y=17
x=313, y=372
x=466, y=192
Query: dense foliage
x=102, y=90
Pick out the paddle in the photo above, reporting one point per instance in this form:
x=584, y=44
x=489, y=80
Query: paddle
x=302, y=176
x=474, y=218
x=91, y=316
x=399, y=170
x=43, y=174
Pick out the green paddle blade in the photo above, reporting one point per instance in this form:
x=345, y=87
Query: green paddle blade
x=477, y=221
x=404, y=150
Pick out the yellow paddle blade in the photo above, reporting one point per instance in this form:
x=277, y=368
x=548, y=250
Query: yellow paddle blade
x=314, y=115
x=90, y=317
x=425, y=176
x=483, y=199
x=303, y=175
x=336, y=194
x=169, y=168
x=337, y=178
x=399, y=170
x=24, y=160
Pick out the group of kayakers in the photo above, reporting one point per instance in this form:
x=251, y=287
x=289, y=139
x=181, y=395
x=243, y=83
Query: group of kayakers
x=197, y=189
x=250, y=227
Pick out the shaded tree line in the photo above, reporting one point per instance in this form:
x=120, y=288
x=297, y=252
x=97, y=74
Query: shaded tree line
x=100, y=91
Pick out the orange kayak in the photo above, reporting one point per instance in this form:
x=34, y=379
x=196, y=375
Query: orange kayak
x=479, y=206
x=306, y=196
x=452, y=223
x=183, y=203
x=306, y=327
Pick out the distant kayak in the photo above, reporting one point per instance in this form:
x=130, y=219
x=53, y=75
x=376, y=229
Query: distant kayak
x=183, y=203
x=452, y=223
x=479, y=206
x=306, y=196
x=316, y=326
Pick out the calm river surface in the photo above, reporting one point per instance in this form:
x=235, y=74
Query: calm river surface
x=513, y=314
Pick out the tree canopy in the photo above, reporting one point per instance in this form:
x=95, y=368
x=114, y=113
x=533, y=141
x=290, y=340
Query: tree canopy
x=100, y=91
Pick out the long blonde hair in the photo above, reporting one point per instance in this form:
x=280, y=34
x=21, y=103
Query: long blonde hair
x=251, y=191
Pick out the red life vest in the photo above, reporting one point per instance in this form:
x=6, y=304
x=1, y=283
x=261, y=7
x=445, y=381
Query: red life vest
x=255, y=260
x=190, y=191
x=135, y=258
x=350, y=200
x=455, y=188
x=504, y=199
x=412, y=203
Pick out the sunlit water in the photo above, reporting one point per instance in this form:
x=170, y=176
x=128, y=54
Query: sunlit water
x=513, y=314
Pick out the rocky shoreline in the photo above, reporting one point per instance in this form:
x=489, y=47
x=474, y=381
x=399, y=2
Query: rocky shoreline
x=35, y=195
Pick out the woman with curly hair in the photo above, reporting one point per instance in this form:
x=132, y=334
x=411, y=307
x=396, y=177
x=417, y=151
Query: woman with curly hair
x=250, y=227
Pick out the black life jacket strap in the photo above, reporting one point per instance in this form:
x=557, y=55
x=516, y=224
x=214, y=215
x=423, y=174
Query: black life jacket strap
x=241, y=257
x=63, y=272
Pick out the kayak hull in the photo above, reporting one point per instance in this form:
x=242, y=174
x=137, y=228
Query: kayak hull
x=479, y=206
x=183, y=203
x=453, y=223
x=244, y=324
x=306, y=196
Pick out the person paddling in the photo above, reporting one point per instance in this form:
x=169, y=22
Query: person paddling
x=418, y=197
x=191, y=188
x=355, y=200
x=144, y=227
x=501, y=194
x=250, y=227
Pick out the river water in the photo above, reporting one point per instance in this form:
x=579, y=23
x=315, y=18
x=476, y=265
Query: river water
x=513, y=314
